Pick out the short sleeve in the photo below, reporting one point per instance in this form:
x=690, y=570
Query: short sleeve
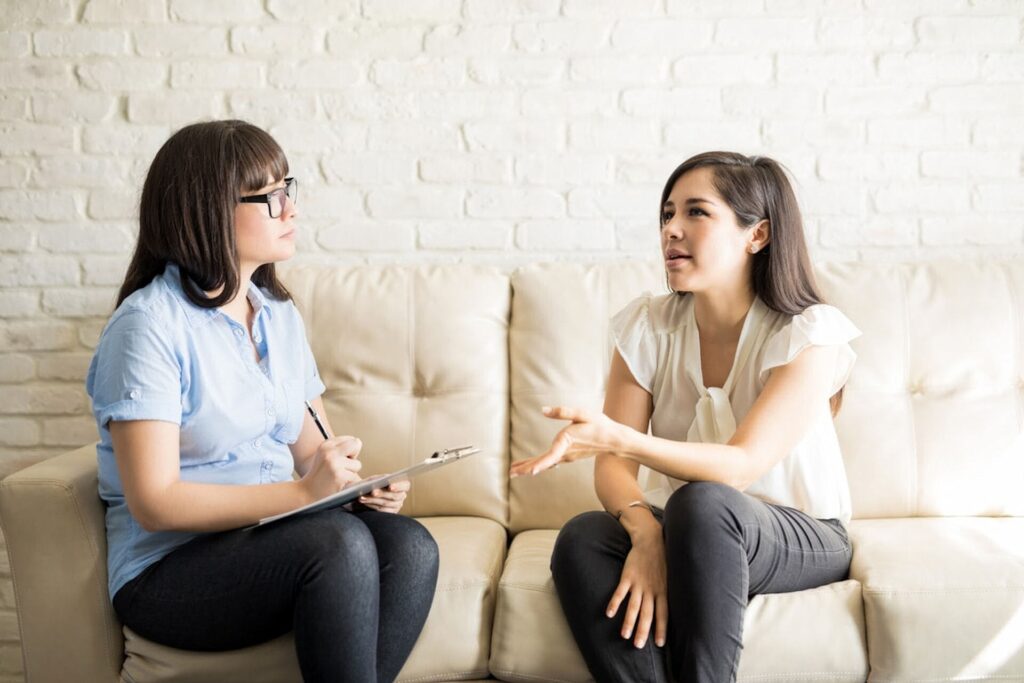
x=636, y=342
x=135, y=373
x=818, y=325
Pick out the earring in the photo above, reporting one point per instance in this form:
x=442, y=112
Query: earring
x=753, y=250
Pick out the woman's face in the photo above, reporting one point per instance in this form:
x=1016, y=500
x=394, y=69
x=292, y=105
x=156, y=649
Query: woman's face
x=703, y=246
x=259, y=238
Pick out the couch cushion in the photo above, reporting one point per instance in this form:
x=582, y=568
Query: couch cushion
x=414, y=360
x=813, y=635
x=560, y=350
x=935, y=402
x=472, y=552
x=943, y=598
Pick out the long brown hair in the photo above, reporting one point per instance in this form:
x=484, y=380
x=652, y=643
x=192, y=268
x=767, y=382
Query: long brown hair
x=187, y=210
x=756, y=188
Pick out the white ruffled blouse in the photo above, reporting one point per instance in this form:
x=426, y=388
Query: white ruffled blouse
x=658, y=339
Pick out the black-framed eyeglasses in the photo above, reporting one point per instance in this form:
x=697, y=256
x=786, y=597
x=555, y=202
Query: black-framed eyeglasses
x=275, y=199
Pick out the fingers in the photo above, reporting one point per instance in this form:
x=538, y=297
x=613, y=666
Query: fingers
x=565, y=413
x=551, y=458
x=660, y=620
x=632, y=613
x=381, y=504
x=402, y=485
x=643, y=624
x=621, y=591
x=343, y=446
x=385, y=494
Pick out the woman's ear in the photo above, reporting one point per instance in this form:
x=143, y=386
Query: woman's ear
x=760, y=236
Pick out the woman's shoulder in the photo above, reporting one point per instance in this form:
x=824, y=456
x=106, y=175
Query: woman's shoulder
x=818, y=321
x=149, y=305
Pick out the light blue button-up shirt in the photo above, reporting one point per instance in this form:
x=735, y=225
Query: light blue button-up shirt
x=161, y=357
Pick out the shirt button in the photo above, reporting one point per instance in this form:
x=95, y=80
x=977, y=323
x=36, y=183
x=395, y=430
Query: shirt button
x=134, y=393
x=256, y=443
x=257, y=337
x=238, y=332
x=270, y=412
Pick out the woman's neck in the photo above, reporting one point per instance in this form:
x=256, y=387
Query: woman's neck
x=720, y=314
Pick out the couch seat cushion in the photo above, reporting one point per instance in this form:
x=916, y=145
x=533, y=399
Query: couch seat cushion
x=943, y=598
x=814, y=635
x=454, y=644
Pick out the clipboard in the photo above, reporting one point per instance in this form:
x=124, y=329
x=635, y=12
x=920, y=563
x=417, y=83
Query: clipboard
x=350, y=493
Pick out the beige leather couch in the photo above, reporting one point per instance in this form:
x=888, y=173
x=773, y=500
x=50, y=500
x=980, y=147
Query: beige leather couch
x=416, y=359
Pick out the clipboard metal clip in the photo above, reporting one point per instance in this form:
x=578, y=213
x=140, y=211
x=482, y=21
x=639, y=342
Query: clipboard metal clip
x=454, y=453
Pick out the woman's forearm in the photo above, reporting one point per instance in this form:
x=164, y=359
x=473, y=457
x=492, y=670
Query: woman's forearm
x=721, y=463
x=616, y=485
x=196, y=507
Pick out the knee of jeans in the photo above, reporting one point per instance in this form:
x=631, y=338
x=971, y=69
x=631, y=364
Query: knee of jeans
x=703, y=502
x=419, y=549
x=577, y=539
x=344, y=542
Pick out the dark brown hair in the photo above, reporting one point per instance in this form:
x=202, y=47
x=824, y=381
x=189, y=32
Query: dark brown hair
x=187, y=210
x=756, y=188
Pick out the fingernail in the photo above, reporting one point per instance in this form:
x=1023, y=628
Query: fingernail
x=546, y=409
x=610, y=613
x=660, y=643
x=640, y=645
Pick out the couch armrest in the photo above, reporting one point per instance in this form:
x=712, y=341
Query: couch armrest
x=53, y=521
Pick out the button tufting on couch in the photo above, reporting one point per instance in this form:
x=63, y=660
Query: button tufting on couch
x=417, y=358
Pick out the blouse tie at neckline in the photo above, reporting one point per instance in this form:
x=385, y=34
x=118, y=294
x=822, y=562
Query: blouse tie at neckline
x=714, y=421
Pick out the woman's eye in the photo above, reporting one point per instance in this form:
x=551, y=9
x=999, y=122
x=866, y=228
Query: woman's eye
x=697, y=212
x=666, y=216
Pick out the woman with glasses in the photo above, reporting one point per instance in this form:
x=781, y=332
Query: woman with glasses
x=738, y=373
x=198, y=386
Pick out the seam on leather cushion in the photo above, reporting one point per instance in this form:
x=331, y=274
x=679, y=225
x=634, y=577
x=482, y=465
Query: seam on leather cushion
x=932, y=591
x=527, y=587
x=447, y=677
x=516, y=675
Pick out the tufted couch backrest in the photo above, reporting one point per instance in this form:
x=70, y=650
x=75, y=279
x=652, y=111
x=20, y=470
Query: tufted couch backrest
x=416, y=358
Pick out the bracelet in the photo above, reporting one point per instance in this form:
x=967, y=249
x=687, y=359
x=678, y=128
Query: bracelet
x=635, y=504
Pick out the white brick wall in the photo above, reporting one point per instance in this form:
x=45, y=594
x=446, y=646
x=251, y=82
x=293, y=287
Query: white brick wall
x=492, y=131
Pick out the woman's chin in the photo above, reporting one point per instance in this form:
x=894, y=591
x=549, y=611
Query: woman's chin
x=679, y=282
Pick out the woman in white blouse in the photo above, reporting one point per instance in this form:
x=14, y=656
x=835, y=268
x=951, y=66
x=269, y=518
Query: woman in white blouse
x=738, y=373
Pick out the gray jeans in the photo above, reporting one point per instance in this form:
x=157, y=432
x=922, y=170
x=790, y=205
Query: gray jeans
x=722, y=547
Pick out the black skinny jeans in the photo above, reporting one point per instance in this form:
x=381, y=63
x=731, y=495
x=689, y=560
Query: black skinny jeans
x=722, y=547
x=354, y=588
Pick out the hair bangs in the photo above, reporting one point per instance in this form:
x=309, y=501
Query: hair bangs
x=257, y=156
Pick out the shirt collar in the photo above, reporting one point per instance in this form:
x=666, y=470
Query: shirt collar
x=198, y=315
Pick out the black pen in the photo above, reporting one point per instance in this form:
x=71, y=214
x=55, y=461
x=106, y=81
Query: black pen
x=316, y=419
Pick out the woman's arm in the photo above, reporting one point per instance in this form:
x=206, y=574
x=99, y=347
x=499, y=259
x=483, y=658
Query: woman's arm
x=615, y=478
x=147, y=455
x=779, y=418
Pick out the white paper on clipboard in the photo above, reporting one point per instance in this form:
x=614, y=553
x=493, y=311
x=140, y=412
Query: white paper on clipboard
x=350, y=493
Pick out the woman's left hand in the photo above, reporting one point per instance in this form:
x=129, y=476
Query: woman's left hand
x=388, y=499
x=589, y=434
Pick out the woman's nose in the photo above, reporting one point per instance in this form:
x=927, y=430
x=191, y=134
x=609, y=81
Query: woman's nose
x=671, y=229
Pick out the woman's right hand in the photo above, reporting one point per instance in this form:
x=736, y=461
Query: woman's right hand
x=644, y=581
x=335, y=465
